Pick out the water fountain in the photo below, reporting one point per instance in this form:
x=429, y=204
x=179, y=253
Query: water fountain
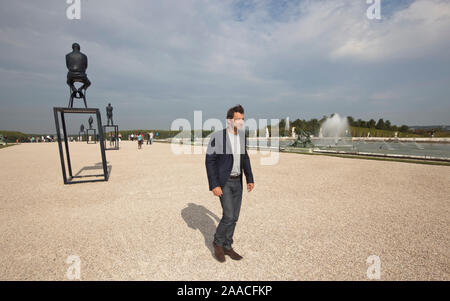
x=334, y=132
x=334, y=136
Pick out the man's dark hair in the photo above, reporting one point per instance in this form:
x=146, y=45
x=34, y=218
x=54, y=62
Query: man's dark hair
x=235, y=109
x=76, y=46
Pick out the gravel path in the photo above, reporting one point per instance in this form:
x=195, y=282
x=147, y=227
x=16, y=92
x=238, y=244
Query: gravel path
x=309, y=218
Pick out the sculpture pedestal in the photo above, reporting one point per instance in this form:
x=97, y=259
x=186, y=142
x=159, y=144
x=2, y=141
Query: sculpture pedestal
x=114, y=142
x=80, y=136
x=69, y=179
x=94, y=135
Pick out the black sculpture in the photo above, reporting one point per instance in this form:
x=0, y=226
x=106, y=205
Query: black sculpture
x=109, y=113
x=303, y=140
x=91, y=120
x=91, y=130
x=77, y=64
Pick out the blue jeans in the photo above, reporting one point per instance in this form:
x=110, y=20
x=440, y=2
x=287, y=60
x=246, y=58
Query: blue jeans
x=231, y=205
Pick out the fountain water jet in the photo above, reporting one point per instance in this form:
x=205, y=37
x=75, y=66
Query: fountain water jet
x=334, y=132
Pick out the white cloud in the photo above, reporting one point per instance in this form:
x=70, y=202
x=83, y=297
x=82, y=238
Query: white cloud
x=313, y=57
x=416, y=32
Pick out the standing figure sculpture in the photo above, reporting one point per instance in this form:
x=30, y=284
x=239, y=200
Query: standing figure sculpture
x=77, y=64
x=91, y=120
x=109, y=113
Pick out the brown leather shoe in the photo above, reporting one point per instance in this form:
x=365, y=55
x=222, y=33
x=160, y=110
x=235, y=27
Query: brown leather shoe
x=218, y=250
x=232, y=254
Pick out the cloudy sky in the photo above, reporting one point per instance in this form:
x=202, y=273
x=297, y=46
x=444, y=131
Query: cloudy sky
x=158, y=60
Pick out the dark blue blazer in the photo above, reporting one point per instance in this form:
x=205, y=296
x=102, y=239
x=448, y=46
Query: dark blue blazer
x=219, y=159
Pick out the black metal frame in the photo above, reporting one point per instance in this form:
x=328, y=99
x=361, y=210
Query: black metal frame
x=95, y=136
x=116, y=136
x=63, y=111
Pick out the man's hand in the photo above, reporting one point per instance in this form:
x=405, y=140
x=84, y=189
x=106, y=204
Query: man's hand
x=217, y=191
x=250, y=186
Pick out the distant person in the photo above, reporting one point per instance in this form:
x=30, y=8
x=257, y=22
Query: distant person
x=140, y=139
x=148, y=136
x=6, y=139
x=151, y=138
x=224, y=172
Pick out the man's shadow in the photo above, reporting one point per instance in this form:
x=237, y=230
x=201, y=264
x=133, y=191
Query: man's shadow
x=198, y=217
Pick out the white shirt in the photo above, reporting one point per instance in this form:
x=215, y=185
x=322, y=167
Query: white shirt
x=236, y=148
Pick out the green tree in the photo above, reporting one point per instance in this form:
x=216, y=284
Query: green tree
x=282, y=128
x=403, y=128
x=387, y=125
x=380, y=124
x=351, y=120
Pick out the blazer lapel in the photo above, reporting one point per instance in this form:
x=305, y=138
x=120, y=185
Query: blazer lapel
x=224, y=145
x=226, y=140
x=243, y=145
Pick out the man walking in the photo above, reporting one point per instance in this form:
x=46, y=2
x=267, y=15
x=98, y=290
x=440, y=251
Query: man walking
x=226, y=158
